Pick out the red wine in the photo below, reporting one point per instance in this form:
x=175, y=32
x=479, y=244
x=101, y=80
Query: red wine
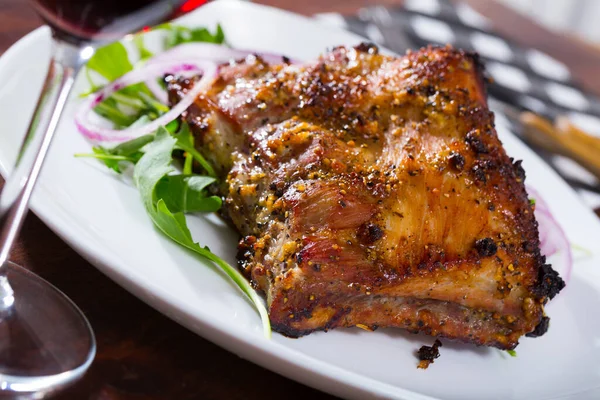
x=108, y=19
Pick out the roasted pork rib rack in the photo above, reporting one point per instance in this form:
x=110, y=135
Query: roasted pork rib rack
x=373, y=191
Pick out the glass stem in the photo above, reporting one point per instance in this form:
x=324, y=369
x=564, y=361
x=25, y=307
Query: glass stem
x=65, y=62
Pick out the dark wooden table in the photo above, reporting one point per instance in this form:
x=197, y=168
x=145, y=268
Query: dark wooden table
x=142, y=355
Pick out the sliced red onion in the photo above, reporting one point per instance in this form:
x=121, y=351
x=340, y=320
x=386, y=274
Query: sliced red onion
x=158, y=91
x=189, y=52
x=537, y=197
x=553, y=240
x=212, y=52
x=555, y=243
x=146, y=73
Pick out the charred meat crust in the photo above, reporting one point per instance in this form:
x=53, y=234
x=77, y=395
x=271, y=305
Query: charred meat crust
x=428, y=354
x=549, y=282
x=486, y=247
x=436, y=318
x=541, y=328
x=361, y=177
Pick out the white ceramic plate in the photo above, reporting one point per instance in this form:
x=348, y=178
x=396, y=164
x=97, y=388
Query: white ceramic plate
x=103, y=219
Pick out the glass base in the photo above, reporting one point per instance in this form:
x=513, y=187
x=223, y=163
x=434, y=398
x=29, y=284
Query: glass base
x=46, y=342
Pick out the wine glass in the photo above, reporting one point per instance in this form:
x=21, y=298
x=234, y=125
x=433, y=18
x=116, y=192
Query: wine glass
x=45, y=340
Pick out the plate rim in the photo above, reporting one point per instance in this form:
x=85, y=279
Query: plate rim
x=306, y=369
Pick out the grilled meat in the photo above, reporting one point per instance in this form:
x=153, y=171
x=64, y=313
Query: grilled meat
x=373, y=191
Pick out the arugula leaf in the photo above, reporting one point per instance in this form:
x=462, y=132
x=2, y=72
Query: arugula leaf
x=135, y=89
x=155, y=164
x=109, y=109
x=203, y=35
x=110, y=61
x=188, y=164
x=177, y=34
x=128, y=151
x=150, y=169
x=131, y=151
x=153, y=104
x=185, y=142
x=185, y=193
x=136, y=99
x=93, y=87
x=112, y=161
x=132, y=146
x=138, y=40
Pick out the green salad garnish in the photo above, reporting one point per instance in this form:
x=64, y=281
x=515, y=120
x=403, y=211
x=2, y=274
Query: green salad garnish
x=168, y=194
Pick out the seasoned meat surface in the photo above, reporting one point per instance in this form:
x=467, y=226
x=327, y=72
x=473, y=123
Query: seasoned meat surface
x=373, y=191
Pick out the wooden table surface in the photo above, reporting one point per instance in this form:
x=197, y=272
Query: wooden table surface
x=143, y=355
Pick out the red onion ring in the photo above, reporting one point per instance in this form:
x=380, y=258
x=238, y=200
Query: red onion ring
x=553, y=239
x=95, y=133
x=203, y=51
x=159, y=92
x=213, y=52
x=537, y=197
x=555, y=243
